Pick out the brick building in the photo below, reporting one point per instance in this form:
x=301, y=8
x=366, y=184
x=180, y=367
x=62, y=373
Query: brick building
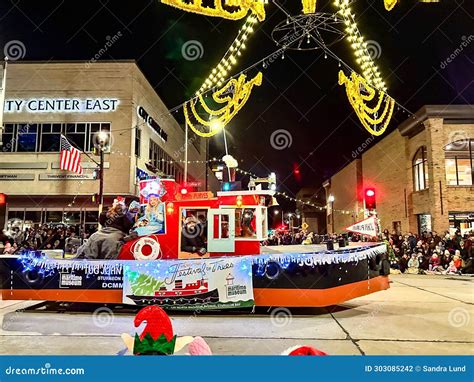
x=422, y=172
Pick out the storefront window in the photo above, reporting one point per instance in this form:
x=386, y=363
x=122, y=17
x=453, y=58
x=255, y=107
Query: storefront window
x=54, y=216
x=459, y=163
x=424, y=223
x=420, y=170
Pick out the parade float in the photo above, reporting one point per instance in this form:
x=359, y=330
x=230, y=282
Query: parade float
x=227, y=267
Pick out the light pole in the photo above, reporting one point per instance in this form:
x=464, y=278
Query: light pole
x=102, y=140
x=331, y=200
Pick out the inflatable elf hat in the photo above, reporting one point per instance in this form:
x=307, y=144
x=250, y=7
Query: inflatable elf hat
x=157, y=338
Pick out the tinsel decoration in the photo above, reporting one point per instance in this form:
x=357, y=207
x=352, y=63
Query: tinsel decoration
x=390, y=4
x=309, y=6
x=233, y=95
x=240, y=8
x=360, y=95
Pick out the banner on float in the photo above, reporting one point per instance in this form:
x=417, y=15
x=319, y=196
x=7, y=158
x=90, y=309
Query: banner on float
x=218, y=283
x=367, y=227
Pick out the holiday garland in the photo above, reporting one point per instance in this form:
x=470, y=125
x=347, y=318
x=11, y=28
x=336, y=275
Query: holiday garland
x=234, y=95
x=361, y=95
x=242, y=8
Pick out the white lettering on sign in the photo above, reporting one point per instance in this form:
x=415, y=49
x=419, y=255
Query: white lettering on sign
x=61, y=105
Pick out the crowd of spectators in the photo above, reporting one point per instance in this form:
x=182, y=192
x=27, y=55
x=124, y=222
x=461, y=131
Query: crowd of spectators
x=46, y=236
x=431, y=252
x=410, y=253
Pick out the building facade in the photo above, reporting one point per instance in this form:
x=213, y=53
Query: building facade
x=312, y=215
x=78, y=99
x=422, y=173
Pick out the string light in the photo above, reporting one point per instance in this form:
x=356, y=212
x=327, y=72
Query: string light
x=369, y=69
x=234, y=95
x=359, y=102
x=257, y=7
x=229, y=60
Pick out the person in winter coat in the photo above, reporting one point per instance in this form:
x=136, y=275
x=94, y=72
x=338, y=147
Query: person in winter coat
x=106, y=243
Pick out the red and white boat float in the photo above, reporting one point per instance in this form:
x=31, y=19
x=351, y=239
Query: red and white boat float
x=235, y=269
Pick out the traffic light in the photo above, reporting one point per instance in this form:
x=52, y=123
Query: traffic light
x=369, y=197
x=3, y=199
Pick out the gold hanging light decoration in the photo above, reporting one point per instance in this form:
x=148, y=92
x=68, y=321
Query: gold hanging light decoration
x=390, y=4
x=233, y=95
x=361, y=95
x=309, y=6
x=242, y=8
x=364, y=59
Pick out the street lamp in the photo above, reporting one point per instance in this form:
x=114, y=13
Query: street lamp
x=331, y=200
x=101, y=142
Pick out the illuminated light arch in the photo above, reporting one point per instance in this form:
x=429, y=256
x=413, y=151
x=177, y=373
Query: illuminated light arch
x=233, y=95
x=242, y=8
x=374, y=118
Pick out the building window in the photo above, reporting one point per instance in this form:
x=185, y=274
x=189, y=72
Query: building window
x=27, y=138
x=138, y=142
x=50, y=137
x=459, y=163
x=45, y=137
x=420, y=169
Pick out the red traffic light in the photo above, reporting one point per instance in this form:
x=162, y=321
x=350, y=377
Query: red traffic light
x=370, y=198
x=3, y=199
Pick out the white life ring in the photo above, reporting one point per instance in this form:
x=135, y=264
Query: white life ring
x=146, y=248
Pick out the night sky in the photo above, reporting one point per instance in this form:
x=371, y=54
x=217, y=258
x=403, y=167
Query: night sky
x=299, y=94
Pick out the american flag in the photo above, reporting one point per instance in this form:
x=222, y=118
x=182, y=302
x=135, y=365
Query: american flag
x=70, y=157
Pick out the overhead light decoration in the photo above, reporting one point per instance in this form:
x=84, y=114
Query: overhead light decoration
x=309, y=6
x=364, y=60
x=233, y=95
x=240, y=8
x=223, y=68
x=374, y=118
x=390, y=4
